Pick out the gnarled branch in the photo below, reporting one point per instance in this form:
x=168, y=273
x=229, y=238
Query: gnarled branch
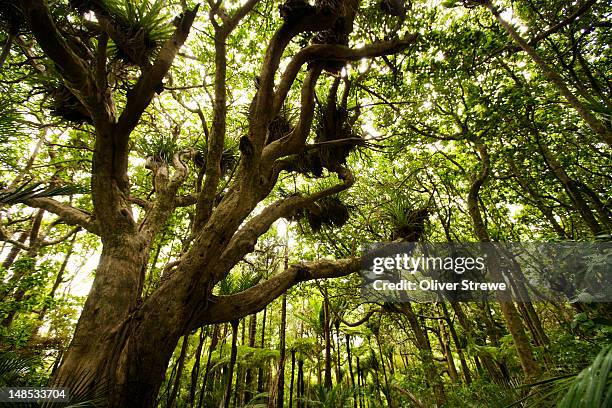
x=70, y=215
x=226, y=308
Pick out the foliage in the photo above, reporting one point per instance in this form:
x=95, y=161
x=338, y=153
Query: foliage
x=415, y=122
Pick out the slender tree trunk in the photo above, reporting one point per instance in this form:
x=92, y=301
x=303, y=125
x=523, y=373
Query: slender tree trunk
x=213, y=345
x=260, y=373
x=327, y=336
x=451, y=328
x=515, y=326
x=281, y=361
x=18, y=276
x=350, y=368
x=387, y=390
x=195, y=371
x=12, y=255
x=571, y=189
x=249, y=380
x=291, y=383
x=360, y=381
x=448, y=354
x=425, y=352
x=339, y=361
x=179, y=372
x=300, y=383
x=59, y=279
x=230, y=371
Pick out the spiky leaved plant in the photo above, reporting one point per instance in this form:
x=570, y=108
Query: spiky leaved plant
x=405, y=218
x=591, y=388
x=142, y=26
x=229, y=157
x=27, y=190
x=160, y=148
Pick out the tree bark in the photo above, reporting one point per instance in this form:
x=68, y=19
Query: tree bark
x=249, y=380
x=213, y=345
x=515, y=326
x=280, y=395
x=451, y=327
x=195, y=371
x=179, y=372
x=230, y=372
x=327, y=338
x=422, y=343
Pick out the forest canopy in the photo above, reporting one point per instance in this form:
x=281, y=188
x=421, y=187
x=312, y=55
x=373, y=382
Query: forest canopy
x=186, y=190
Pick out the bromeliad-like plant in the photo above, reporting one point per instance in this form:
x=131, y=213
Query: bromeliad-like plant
x=136, y=27
x=407, y=220
x=138, y=15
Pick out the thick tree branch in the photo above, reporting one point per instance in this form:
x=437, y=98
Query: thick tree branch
x=233, y=22
x=216, y=141
x=226, y=308
x=74, y=70
x=245, y=239
x=166, y=188
x=262, y=111
x=70, y=215
x=294, y=142
x=71, y=66
x=480, y=228
x=339, y=52
x=150, y=81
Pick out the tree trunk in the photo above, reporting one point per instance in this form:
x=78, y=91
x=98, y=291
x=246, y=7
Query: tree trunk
x=213, y=345
x=451, y=328
x=195, y=371
x=260, y=372
x=179, y=372
x=350, y=368
x=387, y=390
x=300, y=383
x=249, y=380
x=515, y=326
x=339, y=361
x=104, y=333
x=230, y=372
x=12, y=255
x=422, y=343
x=448, y=354
x=291, y=383
x=280, y=395
x=571, y=189
x=327, y=336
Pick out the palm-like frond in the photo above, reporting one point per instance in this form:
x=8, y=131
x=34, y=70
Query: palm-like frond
x=14, y=367
x=134, y=14
x=592, y=387
x=26, y=191
x=160, y=148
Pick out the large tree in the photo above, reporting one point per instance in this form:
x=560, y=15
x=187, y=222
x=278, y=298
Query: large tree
x=121, y=336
